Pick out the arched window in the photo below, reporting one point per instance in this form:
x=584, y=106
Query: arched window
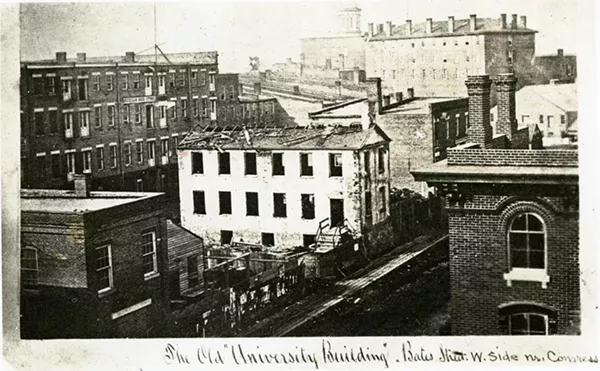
x=527, y=319
x=29, y=266
x=527, y=242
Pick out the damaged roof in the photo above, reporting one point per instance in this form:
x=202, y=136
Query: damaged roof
x=286, y=138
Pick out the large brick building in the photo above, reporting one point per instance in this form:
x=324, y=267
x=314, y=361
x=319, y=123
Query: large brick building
x=513, y=222
x=273, y=186
x=93, y=264
x=435, y=57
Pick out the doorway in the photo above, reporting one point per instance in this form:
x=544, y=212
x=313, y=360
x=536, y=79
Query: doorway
x=336, y=209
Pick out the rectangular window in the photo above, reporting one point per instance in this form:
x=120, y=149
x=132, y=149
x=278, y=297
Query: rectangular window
x=149, y=253
x=174, y=111
x=541, y=119
x=111, y=115
x=197, y=163
x=306, y=167
x=37, y=85
x=224, y=163
x=250, y=163
x=68, y=119
x=96, y=82
x=113, y=155
x=267, y=239
x=127, y=150
x=51, y=86
x=192, y=271
x=87, y=161
x=29, y=267
x=308, y=206
x=213, y=106
x=70, y=157
x=66, y=87
x=182, y=78
x=41, y=166
x=184, y=112
x=199, y=202
x=104, y=268
x=109, y=82
x=224, y=203
x=138, y=113
x=277, y=164
x=563, y=120
x=164, y=147
x=84, y=124
x=125, y=81
x=126, y=114
x=308, y=240
x=381, y=160
x=98, y=116
x=196, y=107
x=139, y=151
x=335, y=164
x=38, y=118
x=223, y=92
x=175, y=143
x=368, y=207
x=172, y=80
x=226, y=237
x=55, y=165
x=136, y=81
x=368, y=164
x=279, y=205
x=382, y=197
x=100, y=158
x=252, y=203
x=151, y=150
x=194, y=78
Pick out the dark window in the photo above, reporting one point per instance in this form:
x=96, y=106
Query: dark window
x=41, y=166
x=279, y=205
x=308, y=239
x=336, y=211
x=149, y=263
x=51, y=85
x=197, y=163
x=527, y=319
x=335, y=164
x=277, y=164
x=100, y=158
x=38, y=118
x=368, y=164
x=192, y=271
x=29, y=266
x=224, y=202
x=562, y=119
x=268, y=239
x=82, y=89
x=381, y=160
x=383, y=198
x=37, y=85
x=541, y=119
x=368, y=207
x=224, y=163
x=527, y=243
x=252, y=203
x=53, y=121
x=199, y=202
x=308, y=206
x=306, y=168
x=226, y=237
x=55, y=165
x=250, y=163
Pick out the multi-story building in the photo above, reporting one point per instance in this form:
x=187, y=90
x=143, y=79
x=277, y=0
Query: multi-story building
x=421, y=128
x=93, y=264
x=118, y=119
x=435, y=57
x=513, y=224
x=273, y=186
x=559, y=66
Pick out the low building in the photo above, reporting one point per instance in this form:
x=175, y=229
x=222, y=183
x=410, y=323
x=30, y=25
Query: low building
x=186, y=263
x=284, y=186
x=421, y=128
x=93, y=264
x=553, y=107
x=513, y=223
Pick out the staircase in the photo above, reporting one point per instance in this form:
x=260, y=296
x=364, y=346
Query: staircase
x=328, y=237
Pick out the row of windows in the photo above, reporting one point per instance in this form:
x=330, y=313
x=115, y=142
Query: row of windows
x=433, y=74
x=267, y=239
x=49, y=83
x=82, y=161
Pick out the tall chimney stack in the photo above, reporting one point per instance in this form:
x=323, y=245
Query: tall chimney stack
x=380, y=28
x=386, y=100
x=257, y=88
x=473, y=22
x=388, y=28
x=513, y=22
x=129, y=57
x=480, y=130
x=408, y=27
x=523, y=21
x=429, y=25
x=374, y=98
x=506, y=85
x=61, y=56
x=560, y=52
x=82, y=183
x=410, y=93
x=370, y=27
x=503, y=21
x=450, y=24
x=399, y=97
x=81, y=57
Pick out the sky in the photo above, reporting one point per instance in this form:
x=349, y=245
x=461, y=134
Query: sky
x=269, y=29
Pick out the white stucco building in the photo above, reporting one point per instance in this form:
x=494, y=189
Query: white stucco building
x=272, y=186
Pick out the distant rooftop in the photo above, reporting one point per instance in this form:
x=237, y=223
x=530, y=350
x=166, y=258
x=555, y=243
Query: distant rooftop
x=563, y=96
x=293, y=138
x=210, y=57
x=65, y=201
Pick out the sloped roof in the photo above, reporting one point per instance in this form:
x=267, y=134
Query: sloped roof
x=563, y=96
x=440, y=28
x=291, y=138
x=180, y=238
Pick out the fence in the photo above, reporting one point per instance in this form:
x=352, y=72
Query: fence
x=413, y=215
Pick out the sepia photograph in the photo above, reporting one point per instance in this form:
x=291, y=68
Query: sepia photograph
x=301, y=170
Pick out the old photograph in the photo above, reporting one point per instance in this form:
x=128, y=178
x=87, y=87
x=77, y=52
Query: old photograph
x=299, y=169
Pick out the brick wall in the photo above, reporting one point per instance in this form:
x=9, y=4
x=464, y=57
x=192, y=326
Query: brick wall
x=513, y=157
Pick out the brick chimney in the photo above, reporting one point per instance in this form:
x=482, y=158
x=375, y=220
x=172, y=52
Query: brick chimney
x=399, y=97
x=473, y=22
x=410, y=93
x=560, y=52
x=408, y=27
x=451, y=24
x=503, y=21
x=386, y=100
x=506, y=84
x=374, y=98
x=370, y=27
x=428, y=25
x=129, y=57
x=82, y=184
x=480, y=130
x=513, y=22
x=388, y=28
x=380, y=28
x=523, y=21
x=257, y=88
x=81, y=57
x=61, y=56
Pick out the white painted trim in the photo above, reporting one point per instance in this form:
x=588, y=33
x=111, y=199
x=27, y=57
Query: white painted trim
x=173, y=99
x=124, y=72
x=165, y=137
x=172, y=71
x=98, y=105
x=109, y=73
x=57, y=152
x=95, y=73
x=203, y=70
x=150, y=139
x=66, y=77
x=131, y=309
x=204, y=96
x=127, y=141
x=82, y=65
x=194, y=70
x=183, y=98
x=99, y=145
x=174, y=135
x=86, y=149
x=70, y=150
x=148, y=74
x=84, y=109
x=50, y=75
x=195, y=97
x=136, y=72
x=68, y=110
x=83, y=77
x=527, y=274
x=40, y=154
x=38, y=110
x=112, y=143
x=139, y=140
x=111, y=104
x=52, y=109
x=36, y=75
x=181, y=70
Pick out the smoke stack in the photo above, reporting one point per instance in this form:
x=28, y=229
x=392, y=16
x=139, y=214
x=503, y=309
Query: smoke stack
x=523, y=21
x=380, y=28
x=370, y=27
x=560, y=52
x=82, y=184
x=81, y=57
x=473, y=22
x=428, y=25
x=61, y=56
x=374, y=98
x=450, y=24
x=506, y=85
x=513, y=22
x=408, y=27
x=386, y=100
x=480, y=130
x=503, y=21
x=388, y=28
x=257, y=88
x=129, y=57
x=399, y=97
x=410, y=93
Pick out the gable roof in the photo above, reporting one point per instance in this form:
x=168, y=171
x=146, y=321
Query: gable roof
x=563, y=96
